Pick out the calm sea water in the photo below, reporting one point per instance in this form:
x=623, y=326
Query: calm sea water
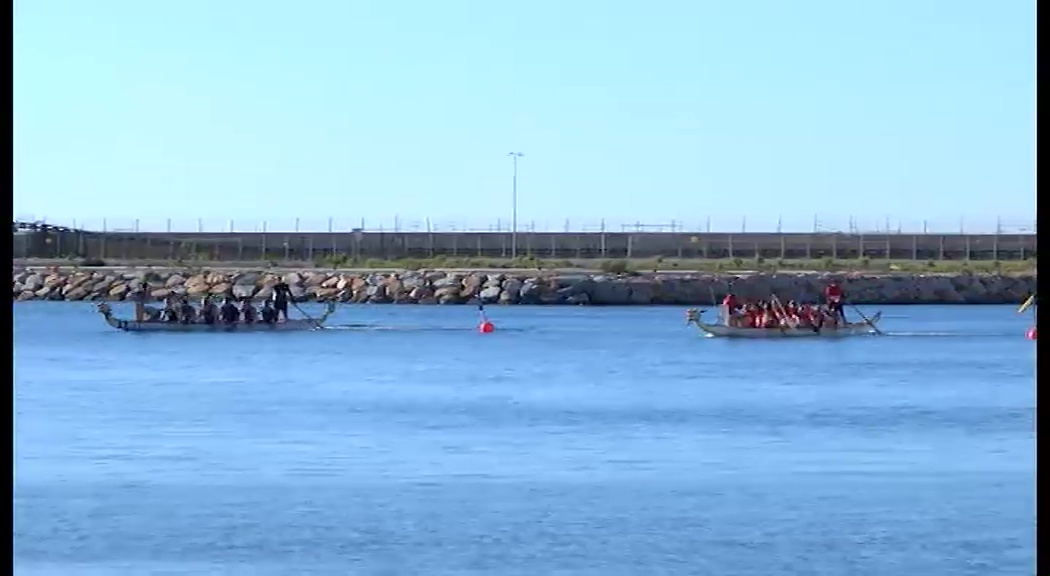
x=605, y=441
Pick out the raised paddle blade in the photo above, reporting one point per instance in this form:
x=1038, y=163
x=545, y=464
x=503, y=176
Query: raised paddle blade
x=1027, y=304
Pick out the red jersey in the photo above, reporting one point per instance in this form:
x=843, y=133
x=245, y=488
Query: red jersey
x=833, y=293
x=730, y=302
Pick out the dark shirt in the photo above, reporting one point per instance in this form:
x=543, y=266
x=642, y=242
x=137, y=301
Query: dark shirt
x=269, y=315
x=208, y=314
x=170, y=315
x=187, y=313
x=230, y=313
x=249, y=314
x=281, y=292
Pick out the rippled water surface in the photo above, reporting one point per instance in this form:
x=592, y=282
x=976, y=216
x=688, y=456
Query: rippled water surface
x=604, y=441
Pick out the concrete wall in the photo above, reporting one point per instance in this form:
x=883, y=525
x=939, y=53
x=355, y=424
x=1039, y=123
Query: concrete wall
x=313, y=246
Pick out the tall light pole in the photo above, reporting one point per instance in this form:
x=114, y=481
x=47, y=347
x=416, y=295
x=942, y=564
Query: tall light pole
x=514, y=206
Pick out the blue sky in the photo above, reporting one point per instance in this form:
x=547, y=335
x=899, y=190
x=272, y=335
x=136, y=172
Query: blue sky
x=256, y=110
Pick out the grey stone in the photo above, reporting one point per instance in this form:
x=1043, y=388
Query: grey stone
x=33, y=283
x=490, y=294
x=243, y=290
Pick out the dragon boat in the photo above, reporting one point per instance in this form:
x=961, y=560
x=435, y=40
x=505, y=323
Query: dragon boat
x=865, y=328
x=295, y=324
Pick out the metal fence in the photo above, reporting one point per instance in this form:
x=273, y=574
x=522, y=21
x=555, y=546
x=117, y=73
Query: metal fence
x=321, y=247
x=688, y=224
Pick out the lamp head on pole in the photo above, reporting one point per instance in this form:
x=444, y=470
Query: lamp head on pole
x=518, y=154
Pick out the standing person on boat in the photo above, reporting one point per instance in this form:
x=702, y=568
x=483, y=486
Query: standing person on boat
x=248, y=312
x=268, y=314
x=731, y=302
x=833, y=295
x=729, y=307
x=229, y=312
x=282, y=293
x=144, y=313
x=139, y=297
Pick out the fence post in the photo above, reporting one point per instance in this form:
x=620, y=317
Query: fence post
x=262, y=255
x=603, y=239
x=331, y=235
x=430, y=240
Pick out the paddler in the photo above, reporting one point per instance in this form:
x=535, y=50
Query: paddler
x=187, y=313
x=805, y=315
x=833, y=296
x=754, y=315
x=170, y=312
x=770, y=318
x=208, y=313
x=229, y=312
x=248, y=312
x=268, y=314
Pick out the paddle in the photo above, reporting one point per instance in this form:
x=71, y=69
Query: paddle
x=1027, y=303
x=308, y=317
x=866, y=321
x=783, y=313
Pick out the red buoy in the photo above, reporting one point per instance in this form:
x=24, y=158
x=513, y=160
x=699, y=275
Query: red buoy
x=486, y=327
x=1031, y=333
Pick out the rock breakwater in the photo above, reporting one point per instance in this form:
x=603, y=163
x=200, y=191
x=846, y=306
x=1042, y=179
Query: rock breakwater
x=458, y=287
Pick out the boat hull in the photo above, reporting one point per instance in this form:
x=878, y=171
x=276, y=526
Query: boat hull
x=852, y=329
x=293, y=325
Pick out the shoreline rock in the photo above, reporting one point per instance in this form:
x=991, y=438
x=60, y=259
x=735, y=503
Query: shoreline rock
x=535, y=288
